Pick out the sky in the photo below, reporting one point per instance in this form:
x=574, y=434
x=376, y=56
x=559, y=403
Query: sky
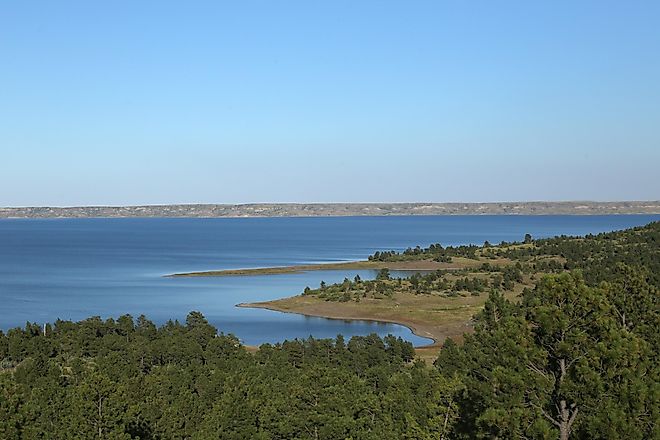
x=147, y=102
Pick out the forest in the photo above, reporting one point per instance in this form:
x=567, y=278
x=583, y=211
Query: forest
x=574, y=355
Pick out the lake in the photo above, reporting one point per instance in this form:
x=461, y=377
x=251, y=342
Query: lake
x=76, y=268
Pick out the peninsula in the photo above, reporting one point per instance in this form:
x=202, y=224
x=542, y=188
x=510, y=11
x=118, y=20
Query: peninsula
x=336, y=209
x=447, y=286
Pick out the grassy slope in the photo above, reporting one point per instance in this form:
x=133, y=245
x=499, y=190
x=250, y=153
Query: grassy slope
x=432, y=316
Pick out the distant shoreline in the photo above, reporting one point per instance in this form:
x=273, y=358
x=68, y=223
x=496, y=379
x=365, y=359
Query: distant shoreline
x=261, y=210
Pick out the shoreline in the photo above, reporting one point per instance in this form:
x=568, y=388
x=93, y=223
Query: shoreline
x=414, y=328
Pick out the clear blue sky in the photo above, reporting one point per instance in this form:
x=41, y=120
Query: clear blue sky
x=131, y=102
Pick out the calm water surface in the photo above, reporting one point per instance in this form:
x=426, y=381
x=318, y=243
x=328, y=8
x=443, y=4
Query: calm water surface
x=76, y=268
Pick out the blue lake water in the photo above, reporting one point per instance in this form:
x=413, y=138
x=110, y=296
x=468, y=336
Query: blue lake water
x=76, y=268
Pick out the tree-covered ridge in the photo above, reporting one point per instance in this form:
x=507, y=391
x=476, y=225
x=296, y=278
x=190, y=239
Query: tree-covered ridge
x=597, y=256
x=634, y=246
x=575, y=356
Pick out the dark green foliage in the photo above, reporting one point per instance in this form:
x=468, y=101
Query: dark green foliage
x=473, y=285
x=383, y=274
x=577, y=357
x=599, y=255
x=127, y=379
x=429, y=283
x=435, y=252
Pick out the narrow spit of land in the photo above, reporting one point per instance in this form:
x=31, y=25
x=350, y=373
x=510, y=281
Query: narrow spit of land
x=417, y=265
